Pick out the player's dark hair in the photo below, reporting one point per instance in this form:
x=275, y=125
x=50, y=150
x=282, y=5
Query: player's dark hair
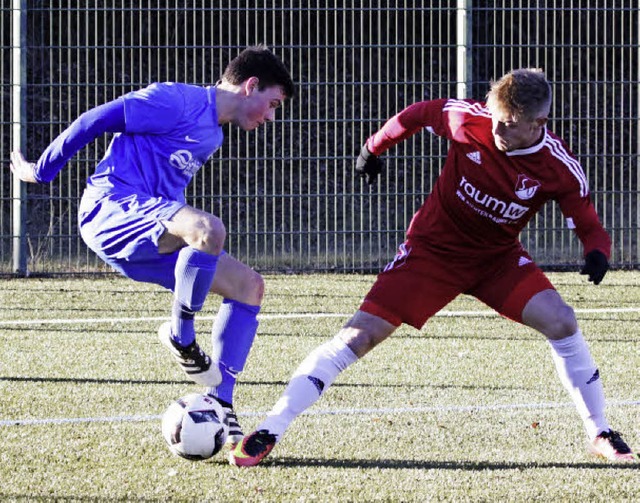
x=259, y=61
x=522, y=93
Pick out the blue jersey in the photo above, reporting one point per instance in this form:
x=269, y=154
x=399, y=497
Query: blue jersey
x=171, y=130
x=164, y=134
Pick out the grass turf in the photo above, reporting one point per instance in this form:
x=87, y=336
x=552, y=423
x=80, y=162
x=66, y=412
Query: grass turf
x=467, y=409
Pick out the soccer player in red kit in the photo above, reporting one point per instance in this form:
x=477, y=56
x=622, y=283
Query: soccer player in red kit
x=502, y=166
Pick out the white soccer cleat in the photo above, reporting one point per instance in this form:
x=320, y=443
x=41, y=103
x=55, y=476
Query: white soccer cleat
x=195, y=362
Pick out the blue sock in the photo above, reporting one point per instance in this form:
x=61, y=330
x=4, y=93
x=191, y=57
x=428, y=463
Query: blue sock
x=194, y=273
x=233, y=332
x=224, y=391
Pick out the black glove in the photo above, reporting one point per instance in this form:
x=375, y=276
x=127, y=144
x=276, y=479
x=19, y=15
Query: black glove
x=596, y=266
x=368, y=165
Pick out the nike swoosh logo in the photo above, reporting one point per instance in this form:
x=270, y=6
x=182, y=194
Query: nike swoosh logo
x=190, y=140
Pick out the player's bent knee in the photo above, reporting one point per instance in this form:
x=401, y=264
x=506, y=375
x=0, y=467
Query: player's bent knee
x=547, y=313
x=208, y=234
x=567, y=324
x=254, y=288
x=247, y=287
x=562, y=323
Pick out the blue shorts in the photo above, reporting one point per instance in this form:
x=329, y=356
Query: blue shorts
x=124, y=229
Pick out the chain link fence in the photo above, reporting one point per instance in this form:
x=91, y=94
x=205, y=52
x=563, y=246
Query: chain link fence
x=287, y=192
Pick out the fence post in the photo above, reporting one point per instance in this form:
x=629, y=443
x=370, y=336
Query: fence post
x=18, y=130
x=463, y=39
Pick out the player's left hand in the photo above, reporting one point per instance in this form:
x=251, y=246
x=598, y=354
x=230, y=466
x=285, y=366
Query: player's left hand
x=22, y=168
x=596, y=266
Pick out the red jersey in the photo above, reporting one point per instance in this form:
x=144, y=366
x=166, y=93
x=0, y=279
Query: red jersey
x=483, y=197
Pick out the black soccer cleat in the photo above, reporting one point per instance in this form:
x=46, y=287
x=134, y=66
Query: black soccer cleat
x=235, y=431
x=235, y=434
x=609, y=445
x=195, y=362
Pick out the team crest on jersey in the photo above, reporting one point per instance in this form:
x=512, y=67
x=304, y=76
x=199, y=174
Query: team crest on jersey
x=526, y=187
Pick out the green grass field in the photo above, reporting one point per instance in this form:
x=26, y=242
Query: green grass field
x=468, y=409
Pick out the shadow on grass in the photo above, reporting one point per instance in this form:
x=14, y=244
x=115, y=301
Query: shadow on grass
x=92, y=380
x=64, y=329
x=397, y=464
x=390, y=464
x=93, y=499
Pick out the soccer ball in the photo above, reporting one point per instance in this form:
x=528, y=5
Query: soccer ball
x=195, y=426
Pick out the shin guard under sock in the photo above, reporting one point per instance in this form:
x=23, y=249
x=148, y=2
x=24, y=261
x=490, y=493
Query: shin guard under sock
x=581, y=378
x=314, y=375
x=194, y=274
x=232, y=335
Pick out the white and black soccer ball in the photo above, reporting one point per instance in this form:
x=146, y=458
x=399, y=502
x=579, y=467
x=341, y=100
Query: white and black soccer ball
x=195, y=427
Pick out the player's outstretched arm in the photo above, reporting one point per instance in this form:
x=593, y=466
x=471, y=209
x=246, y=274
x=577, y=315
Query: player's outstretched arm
x=88, y=126
x=22, y=168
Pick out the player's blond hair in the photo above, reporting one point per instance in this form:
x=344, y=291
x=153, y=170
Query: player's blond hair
x=522, y=94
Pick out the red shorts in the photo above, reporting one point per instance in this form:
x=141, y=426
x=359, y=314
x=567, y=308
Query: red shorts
x=420, y=281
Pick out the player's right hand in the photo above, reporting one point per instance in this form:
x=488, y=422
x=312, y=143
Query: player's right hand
x=22, y=168
x=368, y=165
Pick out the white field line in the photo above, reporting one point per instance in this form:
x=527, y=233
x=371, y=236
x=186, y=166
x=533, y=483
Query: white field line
x=336, y=412
x=75, y=321
x=134, y=418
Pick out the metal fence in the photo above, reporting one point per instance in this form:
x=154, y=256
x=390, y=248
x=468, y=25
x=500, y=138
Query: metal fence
x=287, y=192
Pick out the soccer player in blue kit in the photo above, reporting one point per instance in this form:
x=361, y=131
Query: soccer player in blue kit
x=133, y=213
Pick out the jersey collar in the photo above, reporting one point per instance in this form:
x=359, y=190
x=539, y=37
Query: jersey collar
x=532, y=149
x=211, y=98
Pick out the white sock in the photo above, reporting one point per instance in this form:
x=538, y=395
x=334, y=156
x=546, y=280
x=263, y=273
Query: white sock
x=314, y=375
x=579, y=375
